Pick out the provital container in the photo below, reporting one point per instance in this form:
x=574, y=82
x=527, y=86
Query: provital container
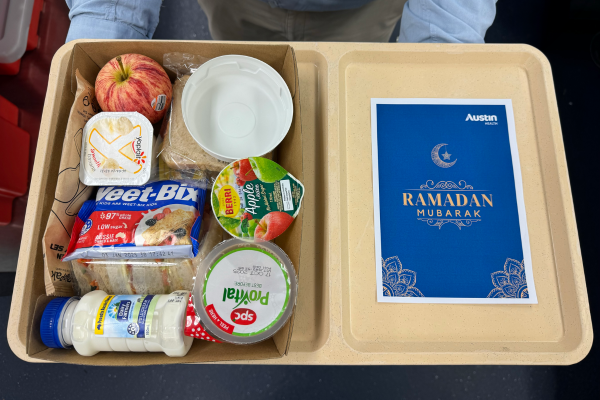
x=245, y=292
x=99, y=322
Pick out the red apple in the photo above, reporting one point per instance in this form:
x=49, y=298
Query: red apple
x=244, y=170
x=133, y=82
x=272, y=225
x=240, y=182
x=247, y=216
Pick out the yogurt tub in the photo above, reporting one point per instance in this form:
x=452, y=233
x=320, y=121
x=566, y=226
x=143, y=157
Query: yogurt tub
x=237, y=106
x=116, y=150
x=245, y=292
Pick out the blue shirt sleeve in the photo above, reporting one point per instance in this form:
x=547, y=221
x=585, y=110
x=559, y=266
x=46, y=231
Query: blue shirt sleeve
x=444, y=21
x=113, y=19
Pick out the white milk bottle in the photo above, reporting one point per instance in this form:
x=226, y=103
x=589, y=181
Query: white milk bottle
x=101, y=322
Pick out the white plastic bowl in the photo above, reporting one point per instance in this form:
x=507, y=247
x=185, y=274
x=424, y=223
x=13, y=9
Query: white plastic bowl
x=237, y=107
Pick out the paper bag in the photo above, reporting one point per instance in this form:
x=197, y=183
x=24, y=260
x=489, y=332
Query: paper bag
x=70, y=194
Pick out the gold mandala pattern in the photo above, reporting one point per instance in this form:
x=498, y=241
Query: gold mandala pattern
x=397, y=281
x=511, y=283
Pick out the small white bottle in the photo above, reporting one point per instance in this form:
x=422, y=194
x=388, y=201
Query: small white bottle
x=100, y=322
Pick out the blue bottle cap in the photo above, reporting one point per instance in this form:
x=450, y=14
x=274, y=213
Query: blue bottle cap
x=50, y=325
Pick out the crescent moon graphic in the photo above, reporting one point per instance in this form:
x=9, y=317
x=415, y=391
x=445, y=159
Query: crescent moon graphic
x=435, y=156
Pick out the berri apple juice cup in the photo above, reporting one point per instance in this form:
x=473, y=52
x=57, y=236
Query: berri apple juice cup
x=255, y=199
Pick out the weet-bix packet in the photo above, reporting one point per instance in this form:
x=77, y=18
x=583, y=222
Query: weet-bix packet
x=158, y=220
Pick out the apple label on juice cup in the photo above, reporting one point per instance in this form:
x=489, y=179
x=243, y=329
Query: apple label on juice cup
x=256, y=199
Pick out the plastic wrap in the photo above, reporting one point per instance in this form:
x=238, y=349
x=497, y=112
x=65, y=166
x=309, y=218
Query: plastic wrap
x=155, y=276
x=177, y=147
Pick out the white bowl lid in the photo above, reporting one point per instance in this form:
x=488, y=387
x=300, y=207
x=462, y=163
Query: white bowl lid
x=236, y=107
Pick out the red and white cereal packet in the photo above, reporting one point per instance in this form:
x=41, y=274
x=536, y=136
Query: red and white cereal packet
x=192, y=324
x=159, y=220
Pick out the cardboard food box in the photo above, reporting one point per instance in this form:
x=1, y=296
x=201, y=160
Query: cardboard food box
x=88, y=58
x=337, y=318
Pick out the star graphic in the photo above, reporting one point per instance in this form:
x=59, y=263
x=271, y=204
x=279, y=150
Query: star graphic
x=446, y=155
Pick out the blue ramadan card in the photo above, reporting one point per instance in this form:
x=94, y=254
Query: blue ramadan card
x=450, y=224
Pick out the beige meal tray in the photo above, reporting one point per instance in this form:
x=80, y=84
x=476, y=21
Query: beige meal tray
x=338, y=320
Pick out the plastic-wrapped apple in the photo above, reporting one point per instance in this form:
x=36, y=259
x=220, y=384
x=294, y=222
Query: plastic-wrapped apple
x=133, y=82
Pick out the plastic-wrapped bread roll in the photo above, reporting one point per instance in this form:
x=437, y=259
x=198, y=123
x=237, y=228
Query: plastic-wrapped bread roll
x=179, y=149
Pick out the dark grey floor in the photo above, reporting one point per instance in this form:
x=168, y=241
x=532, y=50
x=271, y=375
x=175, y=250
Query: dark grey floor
x=563, y=31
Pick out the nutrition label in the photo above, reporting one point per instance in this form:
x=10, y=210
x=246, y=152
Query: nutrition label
x=286, y=195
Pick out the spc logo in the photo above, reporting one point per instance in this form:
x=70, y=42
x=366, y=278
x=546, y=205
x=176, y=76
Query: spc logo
x=86, y=227
x=243, y=316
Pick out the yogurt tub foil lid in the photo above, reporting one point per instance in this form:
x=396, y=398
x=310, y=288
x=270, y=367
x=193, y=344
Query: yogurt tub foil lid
x=256, y=199
x=245, y=292
x=116, y=149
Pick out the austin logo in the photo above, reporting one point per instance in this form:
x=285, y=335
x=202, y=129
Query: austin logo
x=486, y=119
x=481, y=118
